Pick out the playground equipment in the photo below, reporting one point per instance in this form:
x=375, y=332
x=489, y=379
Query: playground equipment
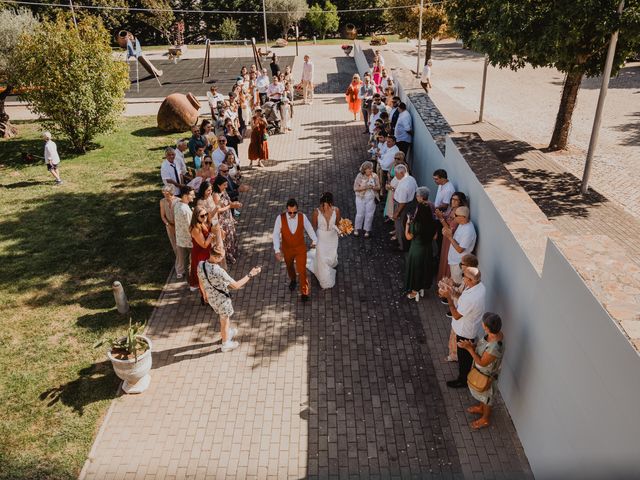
x=235, y=49
x=127, y=41
x=178, y=112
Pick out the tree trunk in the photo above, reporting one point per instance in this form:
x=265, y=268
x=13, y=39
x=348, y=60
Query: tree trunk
x=6, y=129
x=567, y=103
x=427, y=53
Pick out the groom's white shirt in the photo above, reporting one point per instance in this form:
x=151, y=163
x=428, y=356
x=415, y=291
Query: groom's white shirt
x=293, y=226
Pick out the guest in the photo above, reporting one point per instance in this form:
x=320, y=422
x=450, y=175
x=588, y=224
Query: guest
x=425, y=79
x=487, y=358
x=403, y=203
x=366, y=187
x=198, y=158
x=390, y=187
x=275, y=68
x=367, y=91
x=233, y=188
x=353, y=95
x=395, y=112
x=233, y=136
x=377, y=77
x=275, y=91
x=207, y=171
x=182, y=216
x=448, y=220
x=167, y=203
x=196, y=140
x=389, y=92
x=214, y=99
x=420, y=230
x=201, y=239
x=204, y=199
x=403, y=128
x=307, y=80
x=169, y=171
x=206, y=130
x=262, y=84
x=468, y=260
x=182, y=146
x=258, y=144
x=225, y=218
x=467, y=316
x=463, y=241
x=220, y=153
x=51, y=157
x=215, y=282
x=387, y=158
x=386, y=81
x=445, y=189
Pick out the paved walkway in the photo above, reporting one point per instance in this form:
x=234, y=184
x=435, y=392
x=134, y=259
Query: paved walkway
x=349, y=385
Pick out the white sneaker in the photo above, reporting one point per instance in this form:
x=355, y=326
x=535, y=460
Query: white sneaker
x=229, y=345
x=193, y=289
x=179, y=275
x=232, y=333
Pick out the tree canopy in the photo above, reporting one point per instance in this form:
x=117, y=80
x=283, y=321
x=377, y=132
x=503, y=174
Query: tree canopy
x=292, y=12
x=323, y=20
x=570, y=36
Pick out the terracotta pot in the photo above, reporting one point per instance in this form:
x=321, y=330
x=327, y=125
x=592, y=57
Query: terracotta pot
x=350, y=31
x=178, y=112
x=121, y=38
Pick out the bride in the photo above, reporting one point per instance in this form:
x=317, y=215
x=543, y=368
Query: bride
x=322, y=260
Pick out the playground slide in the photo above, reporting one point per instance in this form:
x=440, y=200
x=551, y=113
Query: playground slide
x=148, y=66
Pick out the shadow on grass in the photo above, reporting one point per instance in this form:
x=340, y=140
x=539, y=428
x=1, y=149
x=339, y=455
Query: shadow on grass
x=95, y=383
x=148, y=132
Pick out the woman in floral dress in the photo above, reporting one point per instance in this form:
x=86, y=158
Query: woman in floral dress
x=225, y=218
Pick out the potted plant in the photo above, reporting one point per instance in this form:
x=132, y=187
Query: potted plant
x=131, y=358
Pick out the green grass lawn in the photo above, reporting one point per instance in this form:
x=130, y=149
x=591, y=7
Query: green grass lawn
x=61, y=247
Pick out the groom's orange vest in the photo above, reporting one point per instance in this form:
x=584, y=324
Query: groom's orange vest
x=293, y=243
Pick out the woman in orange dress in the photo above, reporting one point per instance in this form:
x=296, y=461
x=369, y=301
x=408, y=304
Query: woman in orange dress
x=258, y=146
x=353, y=95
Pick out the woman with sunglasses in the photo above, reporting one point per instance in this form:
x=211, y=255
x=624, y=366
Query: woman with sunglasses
x=353, y=95
x=448, y=219
x=225, y=217
x=202, y=238
x=207, y=172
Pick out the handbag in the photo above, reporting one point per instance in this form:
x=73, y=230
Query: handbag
x=478, y=381
x=204, y=270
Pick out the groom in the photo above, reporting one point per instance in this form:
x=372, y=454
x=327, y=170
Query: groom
x=289, y=244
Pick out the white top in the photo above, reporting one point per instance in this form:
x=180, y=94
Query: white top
x=403, y=127
x=384, y=83
x=218, y=155
x=293, y=226
x=471, y=307
x=444, y=193
x=381, y=60
x=426, y=74
x=275, y=90
x=262, y=83
x=387, y=157
x=307, y=72
x=182, y=216
x=465, y=236
x=372, y=121
x=51, y=153
x=406, y=190
x=180, y=162
x=214, y=99
x=170, y=171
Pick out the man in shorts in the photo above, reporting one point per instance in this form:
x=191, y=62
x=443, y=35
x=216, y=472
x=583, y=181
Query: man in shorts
x=51, y=157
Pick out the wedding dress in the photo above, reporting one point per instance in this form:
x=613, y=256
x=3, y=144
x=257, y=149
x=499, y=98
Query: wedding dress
x=322, y=260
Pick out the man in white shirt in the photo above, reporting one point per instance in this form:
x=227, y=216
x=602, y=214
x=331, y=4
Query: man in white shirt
x=51, y=157
x=387, y=156
x=467, y=317
x=404, y=200
x=220, y=153
x=289, y=245
x=169, y=171
x=404, y=129
x=214, y=98
x=275, y=90
x=182, y=216
x=182, y=146
x=307, y=80
x=262, y=83
x=446, y=189
x=462, y=242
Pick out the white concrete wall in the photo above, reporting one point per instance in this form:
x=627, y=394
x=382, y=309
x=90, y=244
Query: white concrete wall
x=570, y=378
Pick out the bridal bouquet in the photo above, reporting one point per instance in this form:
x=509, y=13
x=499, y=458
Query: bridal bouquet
x=344, y=227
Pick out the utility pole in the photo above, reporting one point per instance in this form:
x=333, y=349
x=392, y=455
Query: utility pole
x=73, y=14
x=484, y=87
x=264, y=18
x=418, y=70
x=595, y=131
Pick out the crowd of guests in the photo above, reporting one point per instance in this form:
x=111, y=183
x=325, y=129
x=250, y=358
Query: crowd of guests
x=203, y=180
x=438, y=236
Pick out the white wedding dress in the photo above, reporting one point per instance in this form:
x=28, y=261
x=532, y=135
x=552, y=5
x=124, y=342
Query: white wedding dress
x=323, y=259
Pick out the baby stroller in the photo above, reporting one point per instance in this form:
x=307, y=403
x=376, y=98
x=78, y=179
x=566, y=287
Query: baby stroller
x=271, y=114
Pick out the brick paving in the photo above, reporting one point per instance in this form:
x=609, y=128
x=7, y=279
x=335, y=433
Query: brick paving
x=350, y=385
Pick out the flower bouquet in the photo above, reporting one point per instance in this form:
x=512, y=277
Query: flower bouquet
x=347, y=49
x=344, y=227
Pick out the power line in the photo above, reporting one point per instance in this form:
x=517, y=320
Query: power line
x=228, y=12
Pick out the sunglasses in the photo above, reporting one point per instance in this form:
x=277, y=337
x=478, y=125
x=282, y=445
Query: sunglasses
x=292, y=213
x=208, y=163
x=204, y=215
x=222, y=141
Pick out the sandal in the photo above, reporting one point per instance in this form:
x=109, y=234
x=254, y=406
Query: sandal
x=367, y=234
x=356, y=233
x=475, y=409
x=451, y=358
x=480, y=423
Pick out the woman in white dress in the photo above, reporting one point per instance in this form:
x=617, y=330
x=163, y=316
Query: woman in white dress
x=322, y=260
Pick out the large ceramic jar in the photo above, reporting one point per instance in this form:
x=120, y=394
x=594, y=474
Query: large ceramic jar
x=178, y=112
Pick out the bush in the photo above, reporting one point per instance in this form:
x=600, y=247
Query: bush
x=228, y=29
x=72, y=79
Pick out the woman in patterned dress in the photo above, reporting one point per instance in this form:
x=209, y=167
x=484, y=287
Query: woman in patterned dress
x=487, y=358
x=215, y=282
x=225, y=218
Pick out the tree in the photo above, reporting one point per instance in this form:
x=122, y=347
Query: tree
x=159, y=20
x=71, y=78
x=323, y=21
x=292, y=11
x=570, y=36
x=12, y=25
x=405, y=22
x=366, y=19
x=228, y=29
